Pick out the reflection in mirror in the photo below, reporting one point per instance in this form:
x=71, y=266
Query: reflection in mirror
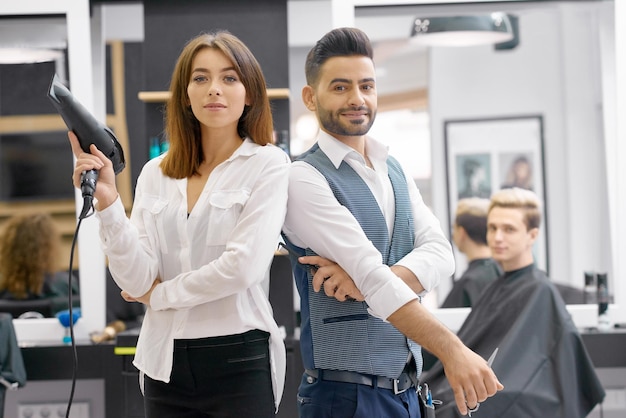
x=34, y=161
x=33, y=143
x=32, y=283
x=548, y=68
x=559, y=70
x=63, y=29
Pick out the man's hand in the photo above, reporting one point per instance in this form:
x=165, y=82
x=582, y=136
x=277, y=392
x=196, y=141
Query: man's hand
x=335, y=281
x=469, y=375
x=145, y=299
x=471, y=378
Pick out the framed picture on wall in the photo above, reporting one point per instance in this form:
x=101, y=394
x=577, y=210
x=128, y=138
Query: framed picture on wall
x=486, y=155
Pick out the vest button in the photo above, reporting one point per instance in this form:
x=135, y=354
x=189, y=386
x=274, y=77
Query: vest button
x=310, y=379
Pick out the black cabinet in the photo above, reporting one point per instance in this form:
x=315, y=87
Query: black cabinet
x=94, y=362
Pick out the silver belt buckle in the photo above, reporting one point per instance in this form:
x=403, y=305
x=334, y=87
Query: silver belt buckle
x=397, y=391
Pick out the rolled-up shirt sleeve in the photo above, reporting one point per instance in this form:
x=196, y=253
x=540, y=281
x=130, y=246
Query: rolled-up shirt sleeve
x=431, y=258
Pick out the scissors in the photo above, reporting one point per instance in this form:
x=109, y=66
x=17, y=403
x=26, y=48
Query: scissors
x=489, y=362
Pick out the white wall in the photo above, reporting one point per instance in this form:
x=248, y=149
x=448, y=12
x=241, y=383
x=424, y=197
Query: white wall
x=553, y=72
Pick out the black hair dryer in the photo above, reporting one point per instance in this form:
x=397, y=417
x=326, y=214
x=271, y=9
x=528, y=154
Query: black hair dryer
x=89, y=131
x=84, y=125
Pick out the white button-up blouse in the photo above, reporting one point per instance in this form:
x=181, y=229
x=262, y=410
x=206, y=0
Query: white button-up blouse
x=214, y=262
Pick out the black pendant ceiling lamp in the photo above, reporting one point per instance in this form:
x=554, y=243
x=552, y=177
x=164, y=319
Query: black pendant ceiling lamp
x=471, y=30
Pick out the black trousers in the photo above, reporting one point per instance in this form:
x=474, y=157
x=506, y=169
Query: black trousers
x=215, y=377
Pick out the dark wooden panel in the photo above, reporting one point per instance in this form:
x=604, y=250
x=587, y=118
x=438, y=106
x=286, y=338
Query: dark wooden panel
x=260, y=24
x=24, y=88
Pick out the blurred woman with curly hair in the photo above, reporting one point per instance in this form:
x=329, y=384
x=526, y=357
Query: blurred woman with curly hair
x=29, y=256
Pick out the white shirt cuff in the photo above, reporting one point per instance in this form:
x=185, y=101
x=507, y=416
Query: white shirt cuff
x=389, y=298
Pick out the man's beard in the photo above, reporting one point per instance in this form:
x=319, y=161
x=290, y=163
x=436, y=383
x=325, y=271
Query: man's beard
x=331, y=121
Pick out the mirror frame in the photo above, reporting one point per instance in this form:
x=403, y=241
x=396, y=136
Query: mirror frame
x=343, y=13
x=91, y=269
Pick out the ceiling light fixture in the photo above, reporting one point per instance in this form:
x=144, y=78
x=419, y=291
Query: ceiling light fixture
x=462, y=30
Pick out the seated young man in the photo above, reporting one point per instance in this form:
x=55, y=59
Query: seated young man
x=469, y=234
x=541, y=359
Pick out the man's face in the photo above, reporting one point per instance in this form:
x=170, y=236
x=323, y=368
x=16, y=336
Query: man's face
x=509, y=239
x=345, y=97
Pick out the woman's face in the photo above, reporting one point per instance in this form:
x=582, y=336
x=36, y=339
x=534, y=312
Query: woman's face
x=216, y=94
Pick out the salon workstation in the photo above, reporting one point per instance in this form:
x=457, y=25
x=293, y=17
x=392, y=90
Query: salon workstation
x=552, y=92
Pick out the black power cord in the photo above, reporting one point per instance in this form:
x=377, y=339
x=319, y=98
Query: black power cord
x=86, y=212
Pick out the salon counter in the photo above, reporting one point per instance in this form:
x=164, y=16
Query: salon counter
x=608, y=353
x=108, y=381
x=607, y=349
x=99, y=386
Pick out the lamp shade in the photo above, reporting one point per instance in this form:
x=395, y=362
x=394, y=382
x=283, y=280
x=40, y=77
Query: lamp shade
x=462, y=30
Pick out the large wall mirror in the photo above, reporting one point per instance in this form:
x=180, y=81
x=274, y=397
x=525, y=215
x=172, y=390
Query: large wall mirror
x=575, y=82
x=69, y=22
x=562, y=73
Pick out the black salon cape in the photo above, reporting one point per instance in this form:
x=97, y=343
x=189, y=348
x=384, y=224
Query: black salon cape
x=480, y=273
x=542, y=362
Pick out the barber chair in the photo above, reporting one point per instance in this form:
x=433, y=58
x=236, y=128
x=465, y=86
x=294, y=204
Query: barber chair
x=12, y=370
x=31, y=308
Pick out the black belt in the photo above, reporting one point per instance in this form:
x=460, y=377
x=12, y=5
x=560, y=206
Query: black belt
x=399, y=385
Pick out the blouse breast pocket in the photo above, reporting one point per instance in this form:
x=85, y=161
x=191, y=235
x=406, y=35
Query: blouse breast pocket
x=153, y=208
x=225, y=208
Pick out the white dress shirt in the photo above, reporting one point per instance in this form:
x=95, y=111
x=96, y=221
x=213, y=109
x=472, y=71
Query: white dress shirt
x=213, y=261
x=316, y=220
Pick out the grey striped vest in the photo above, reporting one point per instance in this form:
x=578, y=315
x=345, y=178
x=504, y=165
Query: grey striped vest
x=343, y=334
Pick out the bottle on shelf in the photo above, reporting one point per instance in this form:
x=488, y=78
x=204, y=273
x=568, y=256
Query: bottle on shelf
x=590, y=289
x=282, y=140
x=155, y=147
x=165, y=145
x=604, y=321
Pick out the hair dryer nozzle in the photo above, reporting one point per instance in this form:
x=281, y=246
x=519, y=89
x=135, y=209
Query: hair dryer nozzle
x=84, y=125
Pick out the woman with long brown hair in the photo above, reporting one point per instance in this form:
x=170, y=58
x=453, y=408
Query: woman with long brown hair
x=29, y=261
x=200, y=240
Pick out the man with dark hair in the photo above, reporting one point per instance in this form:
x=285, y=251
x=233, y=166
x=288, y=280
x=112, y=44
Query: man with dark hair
x=469, y=234
x=541, y=356
x=350, y=202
